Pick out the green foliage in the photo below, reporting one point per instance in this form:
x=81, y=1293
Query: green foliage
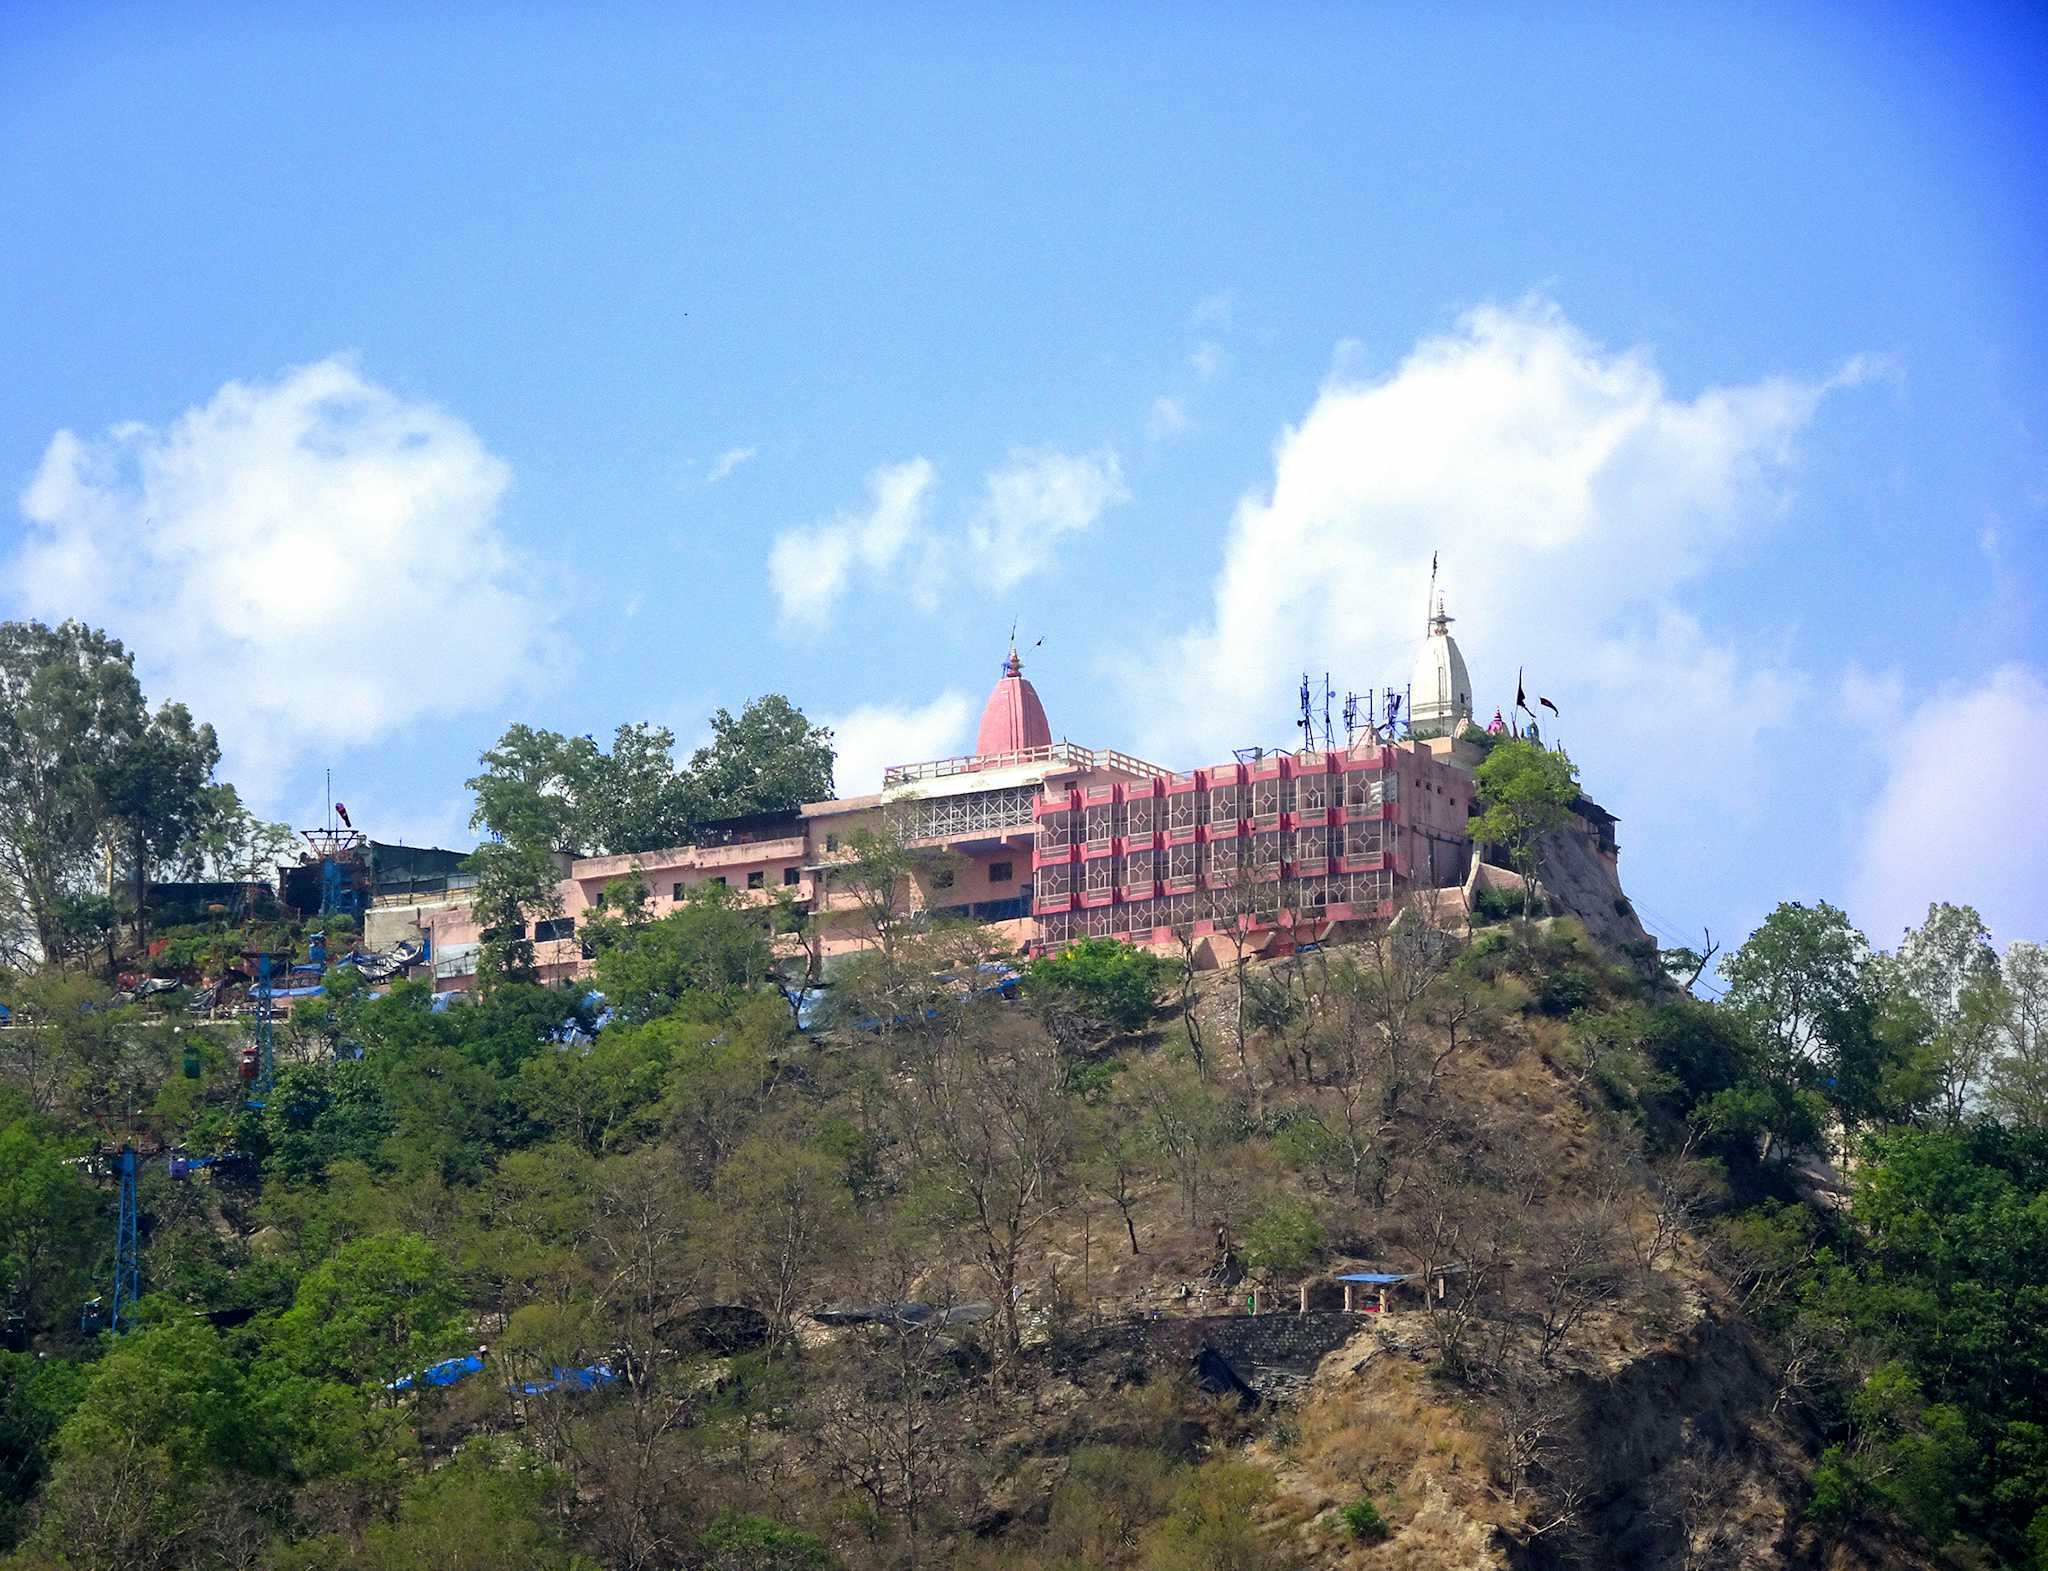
x=739, y=1542
x=382, y=1306
x=1525, y=791
x=1212, y=1522
x=704, y=957
x=1493, y=904
x=767, y=759
x=36, y=1396
x=46, y=1212
x=516, y=885
x=1365, y=1521
x=1102, y=979
x=1280, y=1237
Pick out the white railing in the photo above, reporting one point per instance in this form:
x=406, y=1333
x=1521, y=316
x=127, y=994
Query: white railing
x=1068, y=754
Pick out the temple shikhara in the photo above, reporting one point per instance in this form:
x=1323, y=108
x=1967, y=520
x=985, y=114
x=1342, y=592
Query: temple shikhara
x=1047, y=841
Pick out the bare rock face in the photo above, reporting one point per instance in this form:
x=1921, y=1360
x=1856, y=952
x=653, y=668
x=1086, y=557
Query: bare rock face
x=1579, y=882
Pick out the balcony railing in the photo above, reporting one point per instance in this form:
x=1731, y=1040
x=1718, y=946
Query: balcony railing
x=1061, y=754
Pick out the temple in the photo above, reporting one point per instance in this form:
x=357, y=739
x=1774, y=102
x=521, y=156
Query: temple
x=1044, y=842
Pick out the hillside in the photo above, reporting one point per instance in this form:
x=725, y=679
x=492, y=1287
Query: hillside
x=965, y=1280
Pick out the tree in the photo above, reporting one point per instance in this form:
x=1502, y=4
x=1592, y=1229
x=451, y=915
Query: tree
x=1525, y=792
x=46, y=1214
x=531, y=788
x=987, y=1120
x=231, y=844
x=634, y=798
x=1096, y=987
x=154, y=788
x=380, y=1307
x=1802, y=985
x=1949, y=973
x=767, y=759
x=781, y=1211
x=2018, y=1090
x=69, y=704
x=516, y=882
x=713, y=949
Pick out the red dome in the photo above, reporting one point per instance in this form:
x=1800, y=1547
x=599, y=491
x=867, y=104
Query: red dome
x=1013, y=718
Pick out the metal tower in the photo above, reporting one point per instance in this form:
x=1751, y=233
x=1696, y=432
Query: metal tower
x=127, y=1250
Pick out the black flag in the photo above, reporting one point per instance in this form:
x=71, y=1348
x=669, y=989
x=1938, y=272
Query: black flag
x=1547, y=704
x=1521, y=697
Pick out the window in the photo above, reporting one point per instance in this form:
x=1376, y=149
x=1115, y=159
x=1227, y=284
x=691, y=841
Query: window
x=791, y=875
x=557, y=928
x=831, y=842
x=942, y=878
x=718, y=879
x=1000, y=872
x=675, y=891
x=755, y=879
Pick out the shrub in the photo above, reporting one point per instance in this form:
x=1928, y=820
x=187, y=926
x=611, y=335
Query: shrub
x=1567, y=990
x=1283, y=1235
x=1365, y=1521
x=1101, y=978
x=1490, y=904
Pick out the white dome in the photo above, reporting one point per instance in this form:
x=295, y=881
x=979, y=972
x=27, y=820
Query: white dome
x=1440, y=692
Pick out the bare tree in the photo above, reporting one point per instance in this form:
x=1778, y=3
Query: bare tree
x=989, y=1128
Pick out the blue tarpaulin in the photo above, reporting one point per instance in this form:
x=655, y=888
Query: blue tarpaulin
x=587, y=1378
x=445, y=1373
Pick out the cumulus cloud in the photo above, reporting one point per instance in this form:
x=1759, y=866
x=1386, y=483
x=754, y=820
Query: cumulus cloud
x=810, y=568
x=1030, y=503
x=726, y=462
x=295, y=558
x=869, y=739
x=1207, y=361
x=1572, y=495
x=1958, y=816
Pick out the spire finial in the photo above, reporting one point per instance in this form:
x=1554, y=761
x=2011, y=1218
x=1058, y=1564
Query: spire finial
x=1013, y=666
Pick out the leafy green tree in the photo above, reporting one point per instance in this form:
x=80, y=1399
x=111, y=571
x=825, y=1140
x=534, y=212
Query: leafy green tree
x=767, y=759
x=1108, y=985
x=162, y=1429
x=710, y=952
x=531, y=787
x=633, y=797
x=738, y=1542
x=1804, y=986
x=382, y=1306
x=1948, y=974
x=2018, y=1089
x=155, y=789
x=517, y=884
x=36, y=1396
x=47, y=1213
x=1212, y=1523
x=1525, y=792
x=69, y=705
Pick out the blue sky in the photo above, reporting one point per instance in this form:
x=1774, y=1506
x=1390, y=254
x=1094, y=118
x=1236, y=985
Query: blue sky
x=384, y=380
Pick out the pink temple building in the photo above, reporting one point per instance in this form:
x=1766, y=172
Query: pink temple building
x=1051, y=841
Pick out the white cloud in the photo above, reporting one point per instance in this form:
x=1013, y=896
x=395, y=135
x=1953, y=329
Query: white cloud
x=1030, y=503
x=1572, y=497
x=869, y=739
x=295, y=558
x=1208, y=361
x=810, y=568
x=727, y=461
x=1958, y=817
x=1216, y=309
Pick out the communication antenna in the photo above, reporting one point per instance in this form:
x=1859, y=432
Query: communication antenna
x=1308, y=716
x=1327, y=734
x=1351, y=719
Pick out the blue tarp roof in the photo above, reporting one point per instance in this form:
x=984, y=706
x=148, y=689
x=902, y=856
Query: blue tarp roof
x=1378, y=1278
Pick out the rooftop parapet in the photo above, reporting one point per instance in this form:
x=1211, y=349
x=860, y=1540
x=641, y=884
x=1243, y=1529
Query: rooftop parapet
x=1063, y=755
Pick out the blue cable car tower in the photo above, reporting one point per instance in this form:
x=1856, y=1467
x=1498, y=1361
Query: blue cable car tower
x=127, y=1244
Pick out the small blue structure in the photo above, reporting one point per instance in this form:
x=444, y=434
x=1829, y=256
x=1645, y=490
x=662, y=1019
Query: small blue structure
x=445, y=1373
x=587, y=1378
